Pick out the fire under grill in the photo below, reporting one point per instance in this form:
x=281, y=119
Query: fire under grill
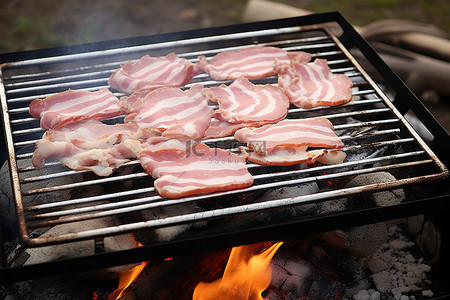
x=374, y=130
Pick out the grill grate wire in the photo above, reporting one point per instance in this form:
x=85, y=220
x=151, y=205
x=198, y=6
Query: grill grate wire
x=54, y=195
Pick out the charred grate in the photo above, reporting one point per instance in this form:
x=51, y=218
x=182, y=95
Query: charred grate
x=56, y=195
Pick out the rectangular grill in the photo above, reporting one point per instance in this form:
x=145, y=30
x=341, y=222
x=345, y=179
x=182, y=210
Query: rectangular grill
x=54, y=195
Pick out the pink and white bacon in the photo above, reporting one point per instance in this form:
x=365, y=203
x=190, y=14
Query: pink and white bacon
x=244, y=102
x=286, y=142
x=219, y=128
x=312, y=85
x=75, y=105
x=252, y=62
x=90, y=145
x=151, y=73
x=174, y=112
x=197, y=169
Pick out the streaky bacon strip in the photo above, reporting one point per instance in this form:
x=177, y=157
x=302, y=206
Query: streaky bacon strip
x=252, y=62
x=90, y=134
x=102, y=161
x=75, y=105
x=163, y=143
x=289, y=156
x=312, y=85
x=176, y=113
x=243, y=102
x=219, y=128
x=151, y=73
x=312, y=132
x=286, y=142
x=127, y=102
x=80, y=145
x=197, y=169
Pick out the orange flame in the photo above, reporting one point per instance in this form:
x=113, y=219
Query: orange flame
x=127, y=278
x=243, y=278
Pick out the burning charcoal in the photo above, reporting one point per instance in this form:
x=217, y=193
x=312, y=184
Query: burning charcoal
x=170, y=232
x=5, y=183
x=384, y=198
x=272, y=215
x=55, y=288
x=315, y=208
x=427, y=235
x=80, y=248
x=52, y=196
x=330, y=261
x=293, y=191
x=295, y=277
x=7, y=213
x=360, y=241
x=177, y=277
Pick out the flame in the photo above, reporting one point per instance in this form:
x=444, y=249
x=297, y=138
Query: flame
x=127, y=278
x=243, y=278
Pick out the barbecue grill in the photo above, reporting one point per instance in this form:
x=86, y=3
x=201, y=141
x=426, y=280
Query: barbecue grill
x=373, y=121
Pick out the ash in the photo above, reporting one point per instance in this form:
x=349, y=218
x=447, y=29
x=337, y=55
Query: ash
x=395, y=272
x=315, y=269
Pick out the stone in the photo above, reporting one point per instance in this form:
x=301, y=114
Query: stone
x=30, y=256
x=383, y=198
x=429, y=242
x=359, y=241
x=362, y=241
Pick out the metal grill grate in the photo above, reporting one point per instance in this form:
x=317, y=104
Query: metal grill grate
x=56, y=195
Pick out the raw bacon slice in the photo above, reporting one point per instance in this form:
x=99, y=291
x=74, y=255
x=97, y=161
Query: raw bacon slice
x=162, y=143
x=176, y=113
x=219, y=128
x=151, y=73
x=293, y=156
x=197, y=169
x=286, y=142
x=312, y=85
x=90, y=134
x=312, y=132
x=243, y=102
x=73, y=105
x=126, y=102
x=252, y=62
x=102, y=161
x=66, y=142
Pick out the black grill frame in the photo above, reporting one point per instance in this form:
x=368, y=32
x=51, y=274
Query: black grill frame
x=404, y=101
